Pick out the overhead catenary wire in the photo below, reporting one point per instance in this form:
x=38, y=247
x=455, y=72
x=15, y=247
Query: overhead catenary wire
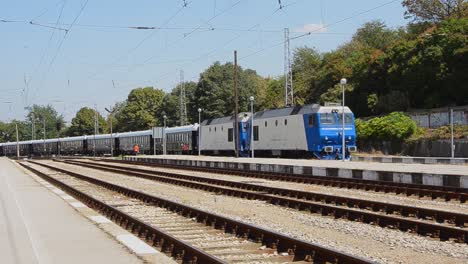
x=65, y=36
x=185, y=35
x=319, y=29
x=26, y=92
x=252, y=28
x=165, y=23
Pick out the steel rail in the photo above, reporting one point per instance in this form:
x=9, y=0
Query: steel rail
x=168, y=244
x=447, y=193
x=302, y=250
x=302, y=200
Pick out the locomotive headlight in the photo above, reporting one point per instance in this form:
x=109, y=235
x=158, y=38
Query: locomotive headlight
x=326, y=138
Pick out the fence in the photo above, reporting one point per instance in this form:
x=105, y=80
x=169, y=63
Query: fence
x=436, y=117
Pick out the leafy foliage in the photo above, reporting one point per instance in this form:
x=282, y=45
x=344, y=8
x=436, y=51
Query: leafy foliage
x=47, y=115
x=83, y=123
x=141, y=110
x=435, y=10
x=215, y=89
x=8, y=131
x=395, y=126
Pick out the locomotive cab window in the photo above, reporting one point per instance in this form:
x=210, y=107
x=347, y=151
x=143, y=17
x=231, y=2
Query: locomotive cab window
x=285, y=122
x=230, y=135
x=327, y=118
x=348, y=118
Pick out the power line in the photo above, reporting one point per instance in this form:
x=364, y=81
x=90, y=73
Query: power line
x=320, y=28
x=267, y=18
x=195, y=29
x=45, y=50
x=144, y=39
x=45, y=11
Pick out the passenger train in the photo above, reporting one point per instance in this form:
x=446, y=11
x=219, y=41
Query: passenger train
x=301, y=132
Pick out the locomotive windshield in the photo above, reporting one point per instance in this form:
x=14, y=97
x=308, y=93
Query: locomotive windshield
x=348, y=118
x=335, y=118
x=327, y=119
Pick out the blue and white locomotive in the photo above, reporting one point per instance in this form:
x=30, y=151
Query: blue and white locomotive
x=301, y=132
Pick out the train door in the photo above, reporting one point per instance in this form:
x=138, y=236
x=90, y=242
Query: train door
x=312, y=132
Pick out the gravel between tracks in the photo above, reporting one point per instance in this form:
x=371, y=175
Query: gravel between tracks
x=381, y=244
x=359, y=194
x=168, y=221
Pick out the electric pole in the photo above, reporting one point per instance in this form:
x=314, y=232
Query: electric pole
x=17, y=141
x=33, y=128
x=288, y=85
x=183, y=103
x=111, y=112
x=95, y=129
x=236, y=127
x=43, y=120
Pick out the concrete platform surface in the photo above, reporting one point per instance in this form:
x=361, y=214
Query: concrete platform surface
x=37, y=226
x=352, y=165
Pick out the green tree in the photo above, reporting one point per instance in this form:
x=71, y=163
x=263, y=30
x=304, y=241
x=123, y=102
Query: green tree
x=40, y=115
x=215, y=89
x=116, y=116
x=83, y=123
x=435, y=10
x=171, y=105
x=8, y=131
x=431, y=69
x=141, y=109
x=376, y=35
x=306, y=71
x=274, y=95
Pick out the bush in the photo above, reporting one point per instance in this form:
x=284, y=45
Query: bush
x=395, y=126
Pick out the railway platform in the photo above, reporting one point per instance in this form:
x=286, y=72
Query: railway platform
x=426, y=174
x=38, y=225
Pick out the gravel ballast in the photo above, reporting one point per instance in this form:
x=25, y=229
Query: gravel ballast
x=381, y=244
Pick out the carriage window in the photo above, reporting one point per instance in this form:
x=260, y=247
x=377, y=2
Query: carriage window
x=222, y=128
x=312, y=121
x=230, y=136
x=210, y=129
x=276, y=122
x=326, y=118
x=348, y=118
x=255, y=133
x=266, y=123
x=285, y=122
x=215, y=129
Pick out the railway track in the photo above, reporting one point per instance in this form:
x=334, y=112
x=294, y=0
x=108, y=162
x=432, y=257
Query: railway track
x=420, y=190
x=435, y=223
x=188, y=234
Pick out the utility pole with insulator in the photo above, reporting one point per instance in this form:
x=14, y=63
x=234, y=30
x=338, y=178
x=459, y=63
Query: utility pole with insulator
x=288, y=85
x=182, y=99
x=236, y=127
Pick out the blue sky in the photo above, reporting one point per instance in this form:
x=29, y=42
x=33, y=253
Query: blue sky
x=101, y=59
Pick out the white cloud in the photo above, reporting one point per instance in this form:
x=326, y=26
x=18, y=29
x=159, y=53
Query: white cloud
x=314, y=28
